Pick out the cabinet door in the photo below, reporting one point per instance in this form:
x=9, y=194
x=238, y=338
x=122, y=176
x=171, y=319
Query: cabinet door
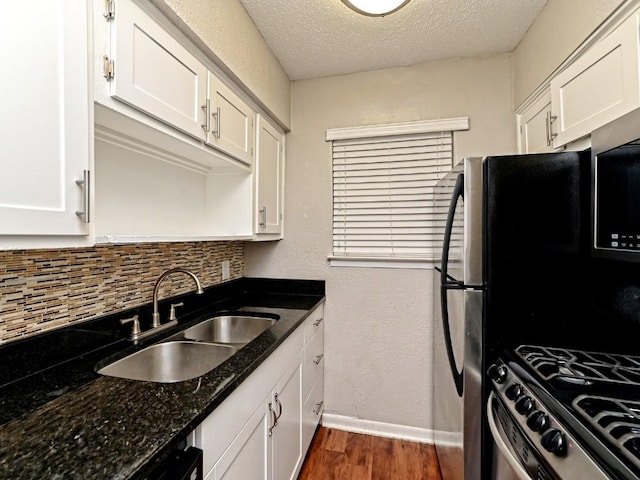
x=600, y=86
x=247, y=457
x=312, y=412
x=155, y=73
x=269, y=178
x=286, y=438
x=45, y=117
x=535, y=127
x=313, y=362
x=231, y=121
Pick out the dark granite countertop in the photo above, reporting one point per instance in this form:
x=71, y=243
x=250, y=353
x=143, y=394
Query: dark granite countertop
x=61, y=420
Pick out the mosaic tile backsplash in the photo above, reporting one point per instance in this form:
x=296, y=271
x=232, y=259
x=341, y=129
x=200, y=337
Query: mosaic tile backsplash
x=45, y=289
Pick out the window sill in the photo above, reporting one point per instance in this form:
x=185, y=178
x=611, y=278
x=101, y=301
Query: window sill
x=383, y=262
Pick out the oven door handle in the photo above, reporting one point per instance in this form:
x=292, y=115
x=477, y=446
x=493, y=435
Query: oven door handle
x=502, y=445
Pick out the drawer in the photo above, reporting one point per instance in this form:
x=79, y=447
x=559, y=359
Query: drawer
x=312, y=413
x=313, y=366
x=313, y=323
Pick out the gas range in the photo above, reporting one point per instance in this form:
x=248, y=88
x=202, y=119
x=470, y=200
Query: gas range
x=570, y=413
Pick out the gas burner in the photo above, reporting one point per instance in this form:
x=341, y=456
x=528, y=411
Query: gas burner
x=617, y=420
x=581, y=368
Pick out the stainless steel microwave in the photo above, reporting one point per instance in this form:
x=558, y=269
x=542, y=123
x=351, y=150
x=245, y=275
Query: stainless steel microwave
x=615, y=189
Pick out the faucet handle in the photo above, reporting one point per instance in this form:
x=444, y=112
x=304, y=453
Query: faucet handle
x=172, y=311
x=135, y=331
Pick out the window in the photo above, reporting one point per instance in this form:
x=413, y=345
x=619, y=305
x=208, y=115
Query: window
x=383, y=201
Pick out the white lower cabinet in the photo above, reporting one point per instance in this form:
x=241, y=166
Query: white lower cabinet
x=286, y=432
x=245, y=439
x=312, y=376
x=248, y=456
x=312, y=412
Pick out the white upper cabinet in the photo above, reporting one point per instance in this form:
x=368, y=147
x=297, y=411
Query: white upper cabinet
x=601, y=85
x=153, y=68
x=269, y=178
x=46, y=122
x=154, y=72
x=535, y=125
x=230, y=121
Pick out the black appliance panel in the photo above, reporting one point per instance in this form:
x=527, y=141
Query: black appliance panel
x=617, y=197
x=536, y=221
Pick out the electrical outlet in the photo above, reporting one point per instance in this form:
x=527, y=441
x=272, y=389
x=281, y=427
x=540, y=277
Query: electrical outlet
x=225, y=270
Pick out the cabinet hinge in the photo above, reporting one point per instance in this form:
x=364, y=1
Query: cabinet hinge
x=107, y=67
x=252, y=151
x=109, y=9
x=521, y=130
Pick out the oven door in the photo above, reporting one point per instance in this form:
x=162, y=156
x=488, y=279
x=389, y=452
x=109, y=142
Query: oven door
x=505, y=463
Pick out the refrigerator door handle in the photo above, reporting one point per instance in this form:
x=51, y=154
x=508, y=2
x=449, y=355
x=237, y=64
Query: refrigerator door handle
x=458, y=192
x=447, y=282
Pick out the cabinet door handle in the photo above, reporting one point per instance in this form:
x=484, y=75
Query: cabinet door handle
x=216, y=132
x=318, y=408
x=274, y=420
x=277, y=400
x=85, y=183
x=550, y=134
x=318, y=322
x=206, y=108
x=318, y=359
x=263, y=217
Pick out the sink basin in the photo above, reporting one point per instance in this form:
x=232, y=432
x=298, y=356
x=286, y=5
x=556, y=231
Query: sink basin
x=237, y=330
x=170, y=362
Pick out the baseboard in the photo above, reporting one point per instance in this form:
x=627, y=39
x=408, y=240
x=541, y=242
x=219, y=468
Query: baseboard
x=380, y=429
x=448, y=439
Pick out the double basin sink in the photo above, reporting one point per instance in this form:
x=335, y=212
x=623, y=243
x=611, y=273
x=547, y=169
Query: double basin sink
x=192, y=352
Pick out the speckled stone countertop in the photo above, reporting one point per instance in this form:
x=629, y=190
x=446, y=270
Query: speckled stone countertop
x=61, y=420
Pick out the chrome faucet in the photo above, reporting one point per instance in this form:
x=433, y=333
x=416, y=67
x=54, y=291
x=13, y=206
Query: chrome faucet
x=156, y=315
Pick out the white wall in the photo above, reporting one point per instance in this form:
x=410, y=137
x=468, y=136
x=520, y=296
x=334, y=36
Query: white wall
x=559, y=29
x=378, y=321
x=224, y=30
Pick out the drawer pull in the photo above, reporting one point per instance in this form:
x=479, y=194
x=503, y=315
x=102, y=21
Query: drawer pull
x=318, y=322
x=318, y=359
x=274, y=419
x=279, y=414
x=318, y=408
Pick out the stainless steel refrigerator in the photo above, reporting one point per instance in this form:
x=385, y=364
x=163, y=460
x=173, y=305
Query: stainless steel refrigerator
x=509, y=221
x=457, y=329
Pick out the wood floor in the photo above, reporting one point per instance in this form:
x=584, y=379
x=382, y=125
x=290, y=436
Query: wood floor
x=339, y=455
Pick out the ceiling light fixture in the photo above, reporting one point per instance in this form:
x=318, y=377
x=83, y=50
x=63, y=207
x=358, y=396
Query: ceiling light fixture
x=375, y=8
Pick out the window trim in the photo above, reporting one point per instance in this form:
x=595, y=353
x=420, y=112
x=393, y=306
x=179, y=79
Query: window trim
x=406, y=128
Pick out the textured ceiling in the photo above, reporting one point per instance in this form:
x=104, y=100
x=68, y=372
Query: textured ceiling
x=319, y=38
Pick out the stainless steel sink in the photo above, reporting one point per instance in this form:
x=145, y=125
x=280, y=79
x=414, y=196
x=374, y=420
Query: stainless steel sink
x=170, y=362
x=236, y=330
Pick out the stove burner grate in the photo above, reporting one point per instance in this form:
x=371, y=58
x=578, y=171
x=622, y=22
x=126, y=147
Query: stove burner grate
x=579, y=367
x=618, y=421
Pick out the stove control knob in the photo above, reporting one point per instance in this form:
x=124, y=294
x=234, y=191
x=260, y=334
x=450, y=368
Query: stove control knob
x=525, y=405
x=538, y=421
x=514, y=391
x=497, y=373
x=553, y=440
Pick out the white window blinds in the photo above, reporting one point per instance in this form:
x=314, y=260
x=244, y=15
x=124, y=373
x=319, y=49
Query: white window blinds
x=383, y=199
